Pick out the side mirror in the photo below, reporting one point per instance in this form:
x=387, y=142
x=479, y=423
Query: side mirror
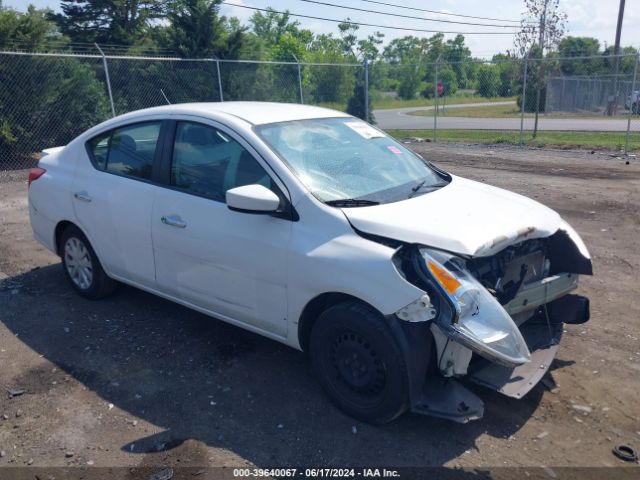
x=252, y=199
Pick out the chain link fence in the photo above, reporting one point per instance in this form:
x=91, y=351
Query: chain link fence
x=47, y=99
x=565, y=102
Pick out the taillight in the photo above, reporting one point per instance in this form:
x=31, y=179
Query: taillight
x=35, y=173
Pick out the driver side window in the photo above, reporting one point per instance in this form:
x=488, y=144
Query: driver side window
x=207, y=162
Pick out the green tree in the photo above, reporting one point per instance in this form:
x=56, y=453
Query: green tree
x=406, y=57
x=446, y=75
x=579, y=47
x=537, y=36
x=44, y=101
x=196, y=28
x=270, y=26
x=366, y=50
x=509, y=70
x=356, y=103
x=457, y=54
x=119, y=22
x=328, y=83
x=488, y=81
x=29, y=31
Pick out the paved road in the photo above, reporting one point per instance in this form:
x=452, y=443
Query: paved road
x=399, y=118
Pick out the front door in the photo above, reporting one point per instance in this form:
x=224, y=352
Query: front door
x=229, y=263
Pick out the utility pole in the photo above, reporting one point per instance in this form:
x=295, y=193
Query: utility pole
x=616, y=52
x=543, y=26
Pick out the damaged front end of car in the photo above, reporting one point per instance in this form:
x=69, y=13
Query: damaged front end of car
x=496, y=319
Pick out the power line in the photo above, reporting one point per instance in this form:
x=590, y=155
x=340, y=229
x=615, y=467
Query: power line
x=362, y=24
x=408, y=16
x=440, y=13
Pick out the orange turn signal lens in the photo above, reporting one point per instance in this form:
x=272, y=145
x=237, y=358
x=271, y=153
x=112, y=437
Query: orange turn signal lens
x=447, y=280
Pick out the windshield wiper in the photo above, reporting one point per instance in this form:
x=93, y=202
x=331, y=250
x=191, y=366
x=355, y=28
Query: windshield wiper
x=351, y=202
x=419, y=185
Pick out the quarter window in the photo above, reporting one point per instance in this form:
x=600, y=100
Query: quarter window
x=207, y=162
x=126, y=151
x=99, y=149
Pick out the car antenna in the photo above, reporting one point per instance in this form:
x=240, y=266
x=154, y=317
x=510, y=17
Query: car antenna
x=165, y=97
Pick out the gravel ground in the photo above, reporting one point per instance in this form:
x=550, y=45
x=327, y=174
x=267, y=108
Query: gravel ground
x=135, y=380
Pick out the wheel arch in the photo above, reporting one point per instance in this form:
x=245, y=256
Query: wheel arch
x=59, y=230
x=314, y=308
x=61, y=226
x=414, y=339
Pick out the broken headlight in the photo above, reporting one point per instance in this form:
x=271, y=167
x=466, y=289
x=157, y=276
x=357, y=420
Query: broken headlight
x=479, y=322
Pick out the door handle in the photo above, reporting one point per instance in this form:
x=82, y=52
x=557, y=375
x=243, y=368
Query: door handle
x=82, y=196
x=173, y=221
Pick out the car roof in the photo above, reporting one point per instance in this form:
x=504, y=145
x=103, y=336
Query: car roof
x=256, y=113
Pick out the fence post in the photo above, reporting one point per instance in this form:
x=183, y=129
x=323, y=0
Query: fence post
x=524, y=99
x=633, y=87
x=299, y=79
x=366, y=89
x=219, y=79
x=106, y=75
x=435, y=90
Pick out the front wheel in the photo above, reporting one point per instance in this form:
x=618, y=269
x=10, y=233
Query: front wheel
x=82, y=267
x=359, y=363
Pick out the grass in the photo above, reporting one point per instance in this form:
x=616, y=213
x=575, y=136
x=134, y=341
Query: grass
x=390, y=102
x=561, y=140
x=503, y=111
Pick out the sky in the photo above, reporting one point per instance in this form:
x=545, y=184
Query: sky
x=593, y=18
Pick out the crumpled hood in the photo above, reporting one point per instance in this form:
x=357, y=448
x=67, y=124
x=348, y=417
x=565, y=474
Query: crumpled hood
x=465, y=217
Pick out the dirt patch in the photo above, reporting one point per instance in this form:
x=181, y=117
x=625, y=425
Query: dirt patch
x=135, y=380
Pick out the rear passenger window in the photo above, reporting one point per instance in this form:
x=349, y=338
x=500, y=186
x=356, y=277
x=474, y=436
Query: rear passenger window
x=127, y=150
x=207, y=162
x=132, y=148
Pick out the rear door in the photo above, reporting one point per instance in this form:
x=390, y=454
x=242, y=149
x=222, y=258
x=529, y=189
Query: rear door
x=113, y=198
x=228, y=263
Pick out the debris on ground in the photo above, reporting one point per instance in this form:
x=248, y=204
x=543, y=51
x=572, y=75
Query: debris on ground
x=549, y=383
x=15, y=392
x=582, y=408
x=165, y=474
x=626, y=453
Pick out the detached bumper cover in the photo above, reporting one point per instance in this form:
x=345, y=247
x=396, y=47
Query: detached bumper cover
x=518, y=381
x=542, y=335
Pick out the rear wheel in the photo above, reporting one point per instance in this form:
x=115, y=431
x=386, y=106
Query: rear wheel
x=82, y=267
x=359, y=363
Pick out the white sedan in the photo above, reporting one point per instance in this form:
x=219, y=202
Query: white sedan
x=316, y=229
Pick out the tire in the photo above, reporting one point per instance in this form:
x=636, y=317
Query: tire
x=82, y=267
x=359, y=363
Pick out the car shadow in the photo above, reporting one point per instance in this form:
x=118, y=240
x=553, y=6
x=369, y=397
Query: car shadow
x=197, y=378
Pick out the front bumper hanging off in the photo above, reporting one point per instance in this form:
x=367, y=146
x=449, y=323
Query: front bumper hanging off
x=448, y=398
